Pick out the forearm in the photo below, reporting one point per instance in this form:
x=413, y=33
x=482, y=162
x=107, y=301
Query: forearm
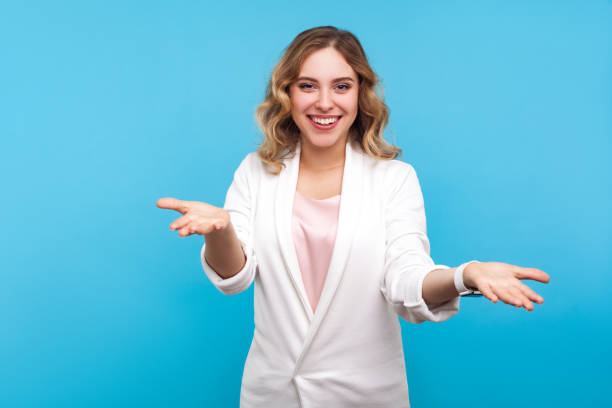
x=224, y=252
x=439, y=286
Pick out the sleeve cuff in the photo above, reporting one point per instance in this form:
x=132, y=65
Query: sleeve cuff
x=237, y=283
x=418, y=311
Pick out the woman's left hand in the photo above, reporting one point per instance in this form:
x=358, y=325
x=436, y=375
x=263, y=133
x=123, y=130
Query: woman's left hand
x=497, y=280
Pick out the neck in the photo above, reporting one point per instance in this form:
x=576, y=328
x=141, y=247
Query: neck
x=317, y=158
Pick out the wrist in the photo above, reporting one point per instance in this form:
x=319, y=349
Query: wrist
x=468, y=275
x=463, y=283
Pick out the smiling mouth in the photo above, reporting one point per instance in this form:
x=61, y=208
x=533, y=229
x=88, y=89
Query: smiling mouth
x=324, y=121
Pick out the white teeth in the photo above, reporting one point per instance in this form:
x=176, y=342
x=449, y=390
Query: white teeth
x=324, y=121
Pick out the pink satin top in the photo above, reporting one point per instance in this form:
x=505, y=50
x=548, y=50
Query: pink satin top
x=314, y=225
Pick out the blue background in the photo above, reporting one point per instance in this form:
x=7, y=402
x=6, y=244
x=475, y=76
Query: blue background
x=503, y=108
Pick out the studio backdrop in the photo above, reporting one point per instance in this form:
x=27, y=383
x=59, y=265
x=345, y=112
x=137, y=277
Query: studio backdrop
x=503, y=108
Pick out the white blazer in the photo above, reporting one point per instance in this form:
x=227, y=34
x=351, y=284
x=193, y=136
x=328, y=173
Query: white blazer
x=349, y=352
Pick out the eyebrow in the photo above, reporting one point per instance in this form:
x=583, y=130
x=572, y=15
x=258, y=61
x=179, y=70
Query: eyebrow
x=334, y=80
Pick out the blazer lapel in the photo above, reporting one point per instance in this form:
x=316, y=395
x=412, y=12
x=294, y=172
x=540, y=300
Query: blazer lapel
x=285, y=193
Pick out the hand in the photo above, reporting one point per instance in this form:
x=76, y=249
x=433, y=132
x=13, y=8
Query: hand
x=198, y=218
x=496, y=280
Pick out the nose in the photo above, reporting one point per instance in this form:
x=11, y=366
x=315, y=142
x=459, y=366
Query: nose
x=324, y=101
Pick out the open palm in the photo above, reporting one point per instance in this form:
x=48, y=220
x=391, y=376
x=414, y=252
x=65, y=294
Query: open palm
x=198, y=218
x=498, y=280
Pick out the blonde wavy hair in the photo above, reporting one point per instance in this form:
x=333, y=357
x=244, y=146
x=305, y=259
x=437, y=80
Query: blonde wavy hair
x=273, y=116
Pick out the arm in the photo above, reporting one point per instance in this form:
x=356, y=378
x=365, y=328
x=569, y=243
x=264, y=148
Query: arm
x=422, y=291
x=495, y=280
x=439, y=286
x=407, y=256
x=224, y=253
x=233, y=264
x=227, y=256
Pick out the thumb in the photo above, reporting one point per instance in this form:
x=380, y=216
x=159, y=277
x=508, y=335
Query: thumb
x=170, y=203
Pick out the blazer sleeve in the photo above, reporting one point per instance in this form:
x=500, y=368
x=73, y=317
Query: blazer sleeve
x=407, y=256
x=239, y=202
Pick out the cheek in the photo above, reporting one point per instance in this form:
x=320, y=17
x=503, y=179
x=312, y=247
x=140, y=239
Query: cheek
x=300, y=102
x=351, y=103
x=351, y=107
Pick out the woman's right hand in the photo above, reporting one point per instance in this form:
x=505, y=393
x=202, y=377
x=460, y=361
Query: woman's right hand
x=198, y=218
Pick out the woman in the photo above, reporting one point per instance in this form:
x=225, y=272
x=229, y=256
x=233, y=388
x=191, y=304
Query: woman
x=332, y=230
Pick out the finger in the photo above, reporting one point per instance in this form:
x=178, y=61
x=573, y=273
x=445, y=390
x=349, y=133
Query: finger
x=516, y=292
x=505, y=296
x=531, y=295
x=486, y=290
x=170, y=203
x=531, y=273
x=203, y=227
x=186, y=230
x=180, y=222
x=522, y=300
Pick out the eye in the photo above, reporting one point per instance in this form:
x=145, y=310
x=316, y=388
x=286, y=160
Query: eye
x=305, y=85
x=344, y=87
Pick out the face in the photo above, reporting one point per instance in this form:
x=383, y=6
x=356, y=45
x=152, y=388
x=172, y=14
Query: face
x=324, y=98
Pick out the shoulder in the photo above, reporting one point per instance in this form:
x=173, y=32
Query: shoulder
x=396, y=168
x=250, y=164
x=250, y=172
x=395, y=180
x=390, y=171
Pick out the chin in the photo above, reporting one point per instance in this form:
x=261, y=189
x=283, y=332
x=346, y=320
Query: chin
x=321, y=141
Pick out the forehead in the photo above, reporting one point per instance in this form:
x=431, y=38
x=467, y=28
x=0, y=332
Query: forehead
x=326, y=64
